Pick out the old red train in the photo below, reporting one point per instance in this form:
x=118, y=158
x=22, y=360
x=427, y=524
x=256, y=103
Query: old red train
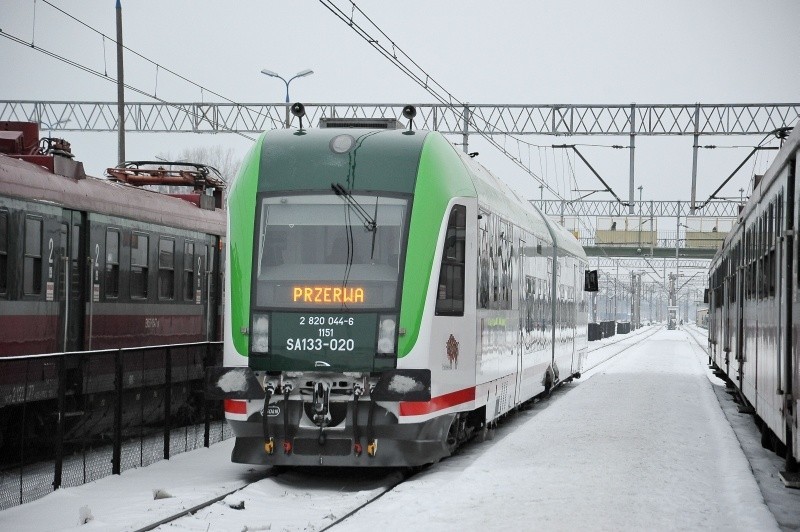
x=88, y=263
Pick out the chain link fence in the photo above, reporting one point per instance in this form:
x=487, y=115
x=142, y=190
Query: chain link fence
x=70, y=418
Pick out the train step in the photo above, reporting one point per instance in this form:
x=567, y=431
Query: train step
x=791, y=479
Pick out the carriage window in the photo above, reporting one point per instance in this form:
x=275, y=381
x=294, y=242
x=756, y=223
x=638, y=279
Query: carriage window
x=3, y=253
x=139, y=265
x=33, y=256
x=188, y=271
x=112, y=263
x=166, y=269
x=450, y=294
x=202, y=251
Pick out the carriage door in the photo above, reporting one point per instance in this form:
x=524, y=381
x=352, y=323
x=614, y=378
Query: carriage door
x=71, y=280
x=521, y=302
x=211, y=292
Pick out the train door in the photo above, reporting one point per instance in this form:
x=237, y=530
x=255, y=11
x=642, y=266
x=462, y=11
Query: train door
x=521, y=293
x=726, y=319
x=211, y=291
x=573, y=315
x=72, y=280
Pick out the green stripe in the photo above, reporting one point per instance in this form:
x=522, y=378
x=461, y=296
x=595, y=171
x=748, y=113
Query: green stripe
x=241, y=216
x=441, y=176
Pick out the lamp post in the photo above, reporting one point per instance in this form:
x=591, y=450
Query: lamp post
x=639, y=250
x=300, y=74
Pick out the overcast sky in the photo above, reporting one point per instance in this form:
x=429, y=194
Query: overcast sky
x=577, y=52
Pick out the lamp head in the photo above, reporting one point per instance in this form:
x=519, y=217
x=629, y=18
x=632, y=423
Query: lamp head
x=409, y=112
x=299, y=110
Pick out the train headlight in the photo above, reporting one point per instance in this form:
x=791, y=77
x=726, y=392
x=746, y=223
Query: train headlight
x=259, y=337
x=386, y=334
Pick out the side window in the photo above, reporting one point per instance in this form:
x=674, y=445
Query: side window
x=112, y=263
x=450, y=295
x=166, y=268
x=139, y=265
x=3, y=253
x=32, y=284
x=483, y=260
x=188, y=271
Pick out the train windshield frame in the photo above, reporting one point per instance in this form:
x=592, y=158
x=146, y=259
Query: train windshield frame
x=328, y=252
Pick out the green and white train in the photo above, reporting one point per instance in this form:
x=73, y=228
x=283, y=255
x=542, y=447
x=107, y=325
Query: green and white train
x=388, y=298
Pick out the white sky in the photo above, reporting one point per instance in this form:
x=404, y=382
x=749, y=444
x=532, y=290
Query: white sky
x=578, y=52
x=647, y=441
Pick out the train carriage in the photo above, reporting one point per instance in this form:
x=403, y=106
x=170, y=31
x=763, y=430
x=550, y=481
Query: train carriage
x=388, y=298
x=753, y=311
x=91, y=264
x=87, y=263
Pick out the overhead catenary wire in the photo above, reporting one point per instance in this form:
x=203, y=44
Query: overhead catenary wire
x=99, y=74
x=422, y=78
x=105, y=76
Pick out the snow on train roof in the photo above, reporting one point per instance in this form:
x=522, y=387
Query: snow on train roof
x=511, y=204
x=25, y=180
x=784, y=157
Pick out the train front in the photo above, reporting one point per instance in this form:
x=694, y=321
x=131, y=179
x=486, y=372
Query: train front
x=318, y=234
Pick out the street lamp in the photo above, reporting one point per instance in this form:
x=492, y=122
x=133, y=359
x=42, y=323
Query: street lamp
x=302, y=73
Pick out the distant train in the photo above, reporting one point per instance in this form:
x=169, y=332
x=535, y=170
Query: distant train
x=88, y=264
x=389, y=298
x=755, y=303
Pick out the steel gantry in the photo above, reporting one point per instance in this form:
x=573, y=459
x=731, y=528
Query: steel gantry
x=501, y=119
x=485, y=119
x=559, y=120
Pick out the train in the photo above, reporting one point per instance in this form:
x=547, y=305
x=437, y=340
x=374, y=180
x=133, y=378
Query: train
x=97, y=264
x=389, y=298
x=754, y=304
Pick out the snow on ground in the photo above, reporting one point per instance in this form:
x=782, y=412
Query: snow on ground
x=639, y=443
x=783, y=503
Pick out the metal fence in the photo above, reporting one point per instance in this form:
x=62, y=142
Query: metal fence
x=70, y=418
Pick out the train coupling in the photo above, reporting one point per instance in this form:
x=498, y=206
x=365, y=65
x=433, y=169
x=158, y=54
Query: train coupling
x=322, y=390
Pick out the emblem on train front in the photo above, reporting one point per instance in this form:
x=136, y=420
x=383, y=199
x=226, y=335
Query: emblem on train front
x=452, y=352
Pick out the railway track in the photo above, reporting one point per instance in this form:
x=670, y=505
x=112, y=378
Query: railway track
x=287, y=499
x=638, y=338
x=246, y=504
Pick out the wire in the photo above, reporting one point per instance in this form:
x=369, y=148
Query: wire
x=107, y=78
x=423, y=79
x=157, y=65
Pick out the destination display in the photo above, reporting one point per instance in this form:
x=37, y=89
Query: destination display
x=327, y=294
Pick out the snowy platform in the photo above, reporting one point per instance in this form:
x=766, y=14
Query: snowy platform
x=648, y=439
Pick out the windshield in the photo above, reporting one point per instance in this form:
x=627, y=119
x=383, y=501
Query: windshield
x=316, y=252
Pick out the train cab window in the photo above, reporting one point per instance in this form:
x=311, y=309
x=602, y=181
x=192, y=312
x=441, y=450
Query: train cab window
x=3, y=253
x=139, y=265
x=188, y=271
x=166, y=268
x=32, y=276
x=450, y=294
x=112, y=264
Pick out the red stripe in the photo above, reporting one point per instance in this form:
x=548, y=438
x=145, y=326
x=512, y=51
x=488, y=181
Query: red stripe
x=235, y=406
x=418, y=408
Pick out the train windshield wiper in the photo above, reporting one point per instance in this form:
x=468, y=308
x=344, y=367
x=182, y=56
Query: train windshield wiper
x=368, y=221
